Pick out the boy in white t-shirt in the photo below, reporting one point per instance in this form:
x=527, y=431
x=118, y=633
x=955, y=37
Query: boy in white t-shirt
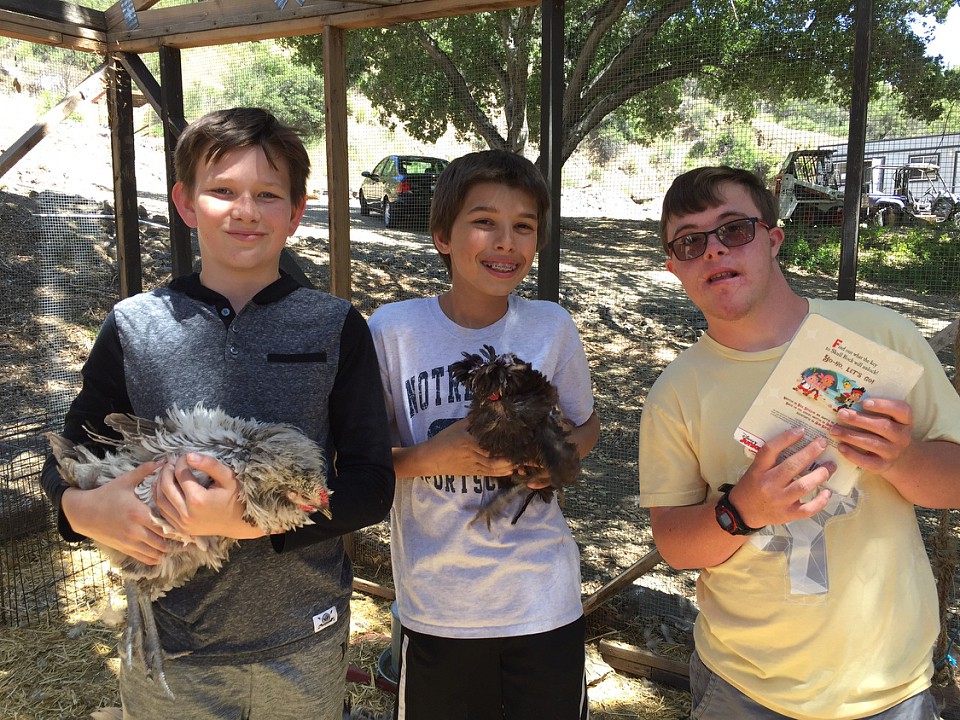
x=492, y=618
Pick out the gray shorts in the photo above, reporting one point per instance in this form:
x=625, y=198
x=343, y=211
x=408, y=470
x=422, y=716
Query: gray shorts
x=307, y=683
x=713, y=698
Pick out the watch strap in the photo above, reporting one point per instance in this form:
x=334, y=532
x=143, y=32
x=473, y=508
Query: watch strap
x=727, y=515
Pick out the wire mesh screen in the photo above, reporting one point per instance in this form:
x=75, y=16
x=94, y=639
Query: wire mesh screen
x=42, y=577
x=646, y=96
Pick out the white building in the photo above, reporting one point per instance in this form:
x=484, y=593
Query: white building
x=883, y=155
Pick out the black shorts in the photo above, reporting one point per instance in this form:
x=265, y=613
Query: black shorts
x=527, y=677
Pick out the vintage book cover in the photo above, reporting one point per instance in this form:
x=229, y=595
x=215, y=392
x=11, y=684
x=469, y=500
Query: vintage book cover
x=825, y=367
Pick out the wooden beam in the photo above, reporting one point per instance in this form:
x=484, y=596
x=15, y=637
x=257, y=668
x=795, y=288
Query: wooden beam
x=59, y=12
x=637, y=661
x=411, y=11
x=945, y=338
x=144, y=79
x=338, y=164
x=114, y=13
x=92, y=85
x=48, y=32
x=372, y=588
x=552, y=85
x=640, y=567
x=120, y=105
x=214, y=23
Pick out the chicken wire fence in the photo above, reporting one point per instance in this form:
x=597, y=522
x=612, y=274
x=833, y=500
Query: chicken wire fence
x=403, y=98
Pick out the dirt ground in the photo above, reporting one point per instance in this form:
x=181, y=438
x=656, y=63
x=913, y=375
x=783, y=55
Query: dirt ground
x=633, y=319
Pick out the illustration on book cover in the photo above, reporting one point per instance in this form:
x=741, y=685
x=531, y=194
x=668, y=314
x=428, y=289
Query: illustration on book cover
x=825, y=368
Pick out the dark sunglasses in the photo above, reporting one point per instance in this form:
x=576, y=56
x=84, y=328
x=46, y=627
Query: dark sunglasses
x=732, y=234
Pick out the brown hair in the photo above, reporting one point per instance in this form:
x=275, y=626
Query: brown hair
x=486, y=166
x=699, y=189
x=212, y=136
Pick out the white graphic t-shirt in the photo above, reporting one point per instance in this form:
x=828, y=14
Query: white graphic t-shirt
x=455, y=578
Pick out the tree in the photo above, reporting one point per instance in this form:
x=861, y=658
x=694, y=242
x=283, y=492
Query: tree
x=628, y=59
x=263, y=76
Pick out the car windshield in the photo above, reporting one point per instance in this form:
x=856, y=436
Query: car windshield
x=421, y=166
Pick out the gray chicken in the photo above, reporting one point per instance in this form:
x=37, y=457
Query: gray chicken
x=515, y=414
x=281, y=475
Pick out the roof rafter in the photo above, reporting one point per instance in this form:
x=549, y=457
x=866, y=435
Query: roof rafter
x=212, y=22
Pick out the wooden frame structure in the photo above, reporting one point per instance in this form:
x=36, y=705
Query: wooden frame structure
x=130, y=27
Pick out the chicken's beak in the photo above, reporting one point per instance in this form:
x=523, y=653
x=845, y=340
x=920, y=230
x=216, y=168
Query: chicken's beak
x=320, y=503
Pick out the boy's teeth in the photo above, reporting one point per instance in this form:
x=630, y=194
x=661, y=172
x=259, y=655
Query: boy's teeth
x=501, y=267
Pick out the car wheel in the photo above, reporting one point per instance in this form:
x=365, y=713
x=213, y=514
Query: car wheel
x=389, y=214
x=364, y=207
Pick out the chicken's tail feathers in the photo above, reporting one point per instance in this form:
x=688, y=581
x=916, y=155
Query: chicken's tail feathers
x=70, y=458
x=60, y=446
x=130, y=426
x=497, y=505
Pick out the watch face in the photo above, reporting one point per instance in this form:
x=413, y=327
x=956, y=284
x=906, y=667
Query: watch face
x=726, y=522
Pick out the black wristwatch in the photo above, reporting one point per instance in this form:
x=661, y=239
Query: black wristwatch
x=727, y=516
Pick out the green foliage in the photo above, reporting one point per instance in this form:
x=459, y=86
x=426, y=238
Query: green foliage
x=625, y=64
x=263, y=75
x=812, y=249
x=31, y=67
x=809, y=115
x=924, y=257
x=639, y=121
x=735, y=145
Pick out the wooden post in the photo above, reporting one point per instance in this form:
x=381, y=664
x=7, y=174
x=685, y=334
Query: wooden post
x=856, y=142
x=338, y=165
x=171, y=116
x=551, y=125
x=120, y=106
x=639, y=662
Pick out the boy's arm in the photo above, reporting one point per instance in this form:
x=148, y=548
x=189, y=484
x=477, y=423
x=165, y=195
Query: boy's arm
x=769, y=493
x=363, y=483
x=452, y=451
x=585, y=435
x=114, y=516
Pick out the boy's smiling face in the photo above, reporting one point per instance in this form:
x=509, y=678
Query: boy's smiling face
x=492, y=245
x=243, y=211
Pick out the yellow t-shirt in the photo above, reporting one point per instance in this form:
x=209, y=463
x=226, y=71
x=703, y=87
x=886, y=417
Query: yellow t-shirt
x=828, y=618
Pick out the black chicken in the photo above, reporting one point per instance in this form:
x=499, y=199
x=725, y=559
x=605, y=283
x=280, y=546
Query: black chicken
x=515, y=413
x=281, y=475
